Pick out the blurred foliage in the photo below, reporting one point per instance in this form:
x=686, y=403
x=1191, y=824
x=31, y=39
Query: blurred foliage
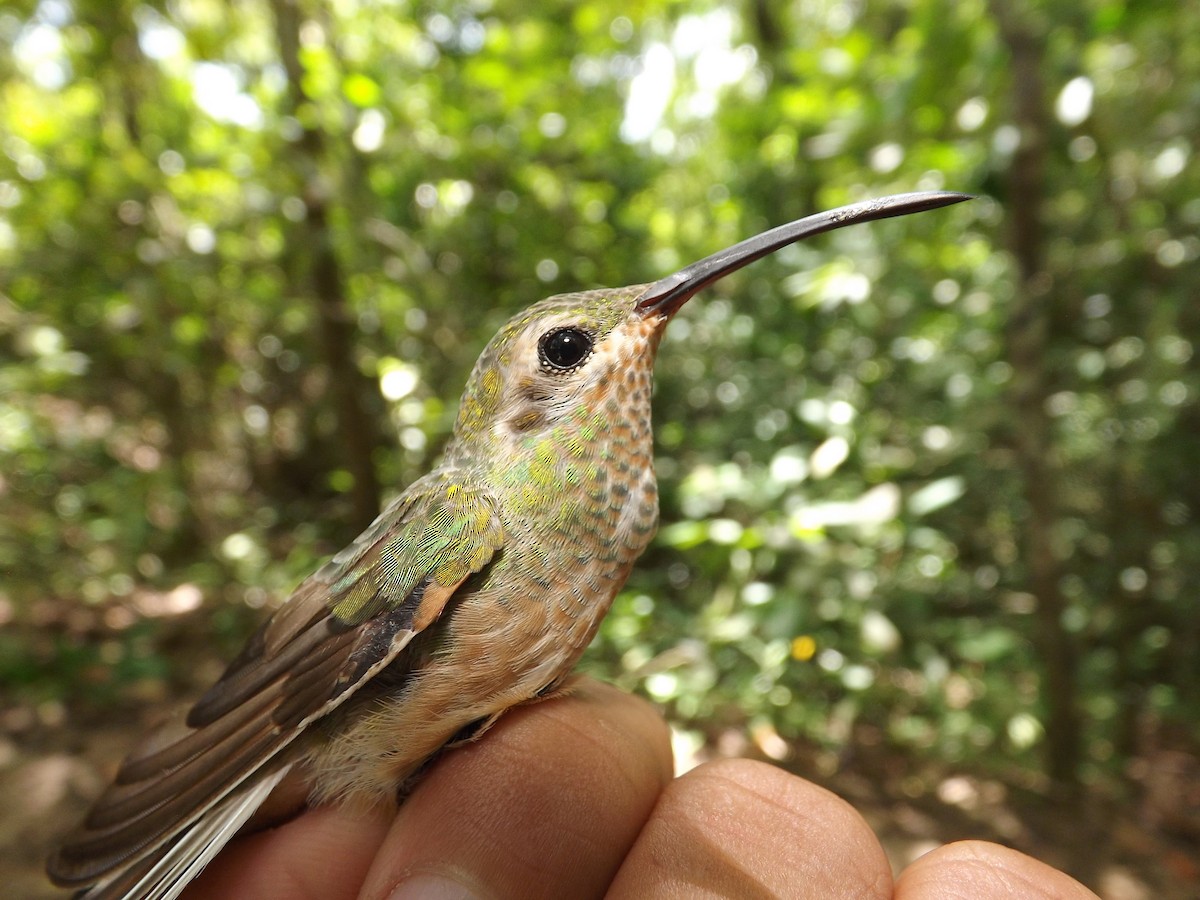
x=845, y=495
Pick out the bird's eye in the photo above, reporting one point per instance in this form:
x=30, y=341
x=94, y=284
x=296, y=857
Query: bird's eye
x=564, y=349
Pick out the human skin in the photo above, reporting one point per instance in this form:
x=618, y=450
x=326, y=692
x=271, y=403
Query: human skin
x=575, y=797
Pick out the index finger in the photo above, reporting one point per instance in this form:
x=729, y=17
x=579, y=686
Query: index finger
x=547, y=804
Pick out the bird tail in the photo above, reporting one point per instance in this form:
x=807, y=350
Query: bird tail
x=164, y=873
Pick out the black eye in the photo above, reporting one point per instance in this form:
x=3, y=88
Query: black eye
x=564, y=349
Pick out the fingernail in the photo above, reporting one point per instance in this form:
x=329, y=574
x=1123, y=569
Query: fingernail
x=432, y=887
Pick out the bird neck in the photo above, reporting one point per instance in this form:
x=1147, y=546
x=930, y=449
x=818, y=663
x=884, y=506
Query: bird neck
x=587, y=477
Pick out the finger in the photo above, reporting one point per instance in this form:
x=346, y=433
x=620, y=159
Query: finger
x=322, y=854
x=980, y=870
x=547, y=804
x=737, y=828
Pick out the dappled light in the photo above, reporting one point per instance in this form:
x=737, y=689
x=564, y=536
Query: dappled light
x=929, y=485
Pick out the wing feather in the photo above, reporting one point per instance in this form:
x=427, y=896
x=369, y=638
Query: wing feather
x=174, y=796
x=164, y=877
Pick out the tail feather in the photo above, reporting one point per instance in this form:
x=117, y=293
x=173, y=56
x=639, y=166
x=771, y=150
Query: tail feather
x=165, y=873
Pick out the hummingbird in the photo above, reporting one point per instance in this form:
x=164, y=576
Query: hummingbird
x=475, y=591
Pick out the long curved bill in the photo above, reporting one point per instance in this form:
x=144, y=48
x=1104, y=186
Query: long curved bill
x=665, y=296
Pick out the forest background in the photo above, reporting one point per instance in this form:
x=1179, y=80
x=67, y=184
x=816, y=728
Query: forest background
x=929, y=486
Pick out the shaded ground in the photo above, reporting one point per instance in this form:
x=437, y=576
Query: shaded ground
x=1124, y=851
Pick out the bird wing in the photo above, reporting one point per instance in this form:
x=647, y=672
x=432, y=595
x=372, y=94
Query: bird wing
x=342, y=625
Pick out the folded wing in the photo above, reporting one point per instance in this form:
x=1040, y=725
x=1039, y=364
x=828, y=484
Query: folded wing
x=188, y=787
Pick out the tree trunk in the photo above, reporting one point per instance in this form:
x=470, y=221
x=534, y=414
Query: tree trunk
x=352, y=392
x=1027, y=338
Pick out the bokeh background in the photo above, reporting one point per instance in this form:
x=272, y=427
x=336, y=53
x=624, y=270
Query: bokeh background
x=929, y=486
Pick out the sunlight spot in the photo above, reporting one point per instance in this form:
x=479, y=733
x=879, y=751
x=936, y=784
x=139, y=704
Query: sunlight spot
x=39, y=51
x=841, y=413
x=158, y=39
x=1171, y=161
x=687, y=747
x=789, y=467
x=413, y=439
x=217, y=89
x=368, y=136
x=1024, y=730
x=181, y=599
x=552, y=125
x=649, y=93
x=238, y=546
x=958, y=791
x=398, y=380
x=879, y=634
x=769, y=741
x=757, y=593
x=972, y=114
x=547, y=270
x=201, y=239
x=886, y=157
x=830, y=660
x=1074, y=103
x=828, y=456
x=663, y=685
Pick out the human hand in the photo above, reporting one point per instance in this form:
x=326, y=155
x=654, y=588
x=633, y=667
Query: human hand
x=573, y=798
